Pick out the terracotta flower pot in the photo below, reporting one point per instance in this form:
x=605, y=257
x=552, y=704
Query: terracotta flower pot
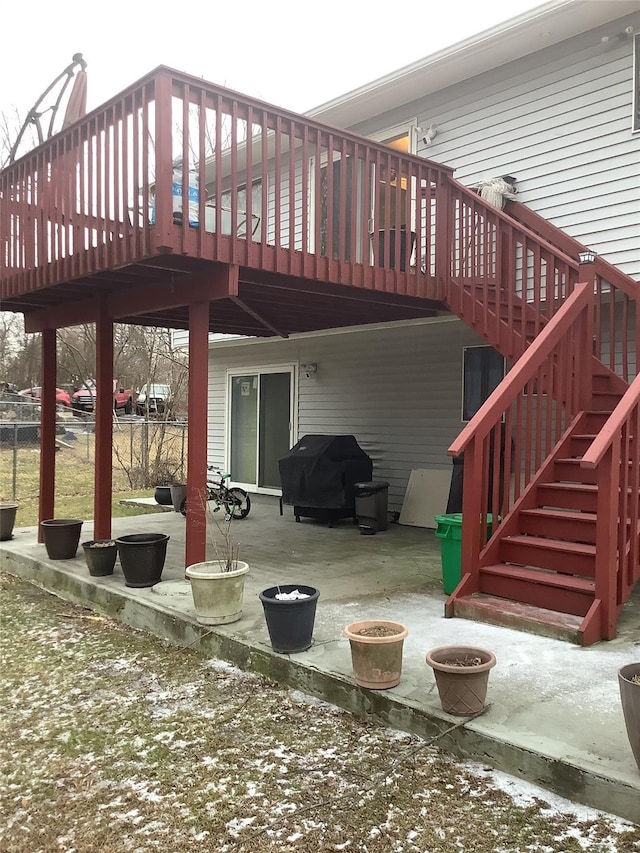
x=217, y=595
x=61, y=537
x=630, y=698
x=462, y=676
x=7, y=520
x=376, y=652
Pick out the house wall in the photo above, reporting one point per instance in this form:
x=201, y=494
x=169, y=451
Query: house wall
x=560, y=121
x=397, y=389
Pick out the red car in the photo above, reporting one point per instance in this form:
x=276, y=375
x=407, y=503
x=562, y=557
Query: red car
x=62, y=398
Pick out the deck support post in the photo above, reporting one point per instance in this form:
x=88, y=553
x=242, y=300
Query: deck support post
x=104, y=428
x=198, y=392
x=47, y=429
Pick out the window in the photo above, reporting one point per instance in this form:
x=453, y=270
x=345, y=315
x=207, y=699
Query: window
x=482, y=372
x=636, y=82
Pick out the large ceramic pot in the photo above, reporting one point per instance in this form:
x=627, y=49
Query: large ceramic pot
x=376, y=652
x=290, y=621
x=462, y=677
x=7, y=520
x=61, y=537
x=630, y=698
x=142, y=557
x=100, y=555
x=217, y=595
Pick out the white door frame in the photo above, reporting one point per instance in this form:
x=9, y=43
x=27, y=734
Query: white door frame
x=252, y=370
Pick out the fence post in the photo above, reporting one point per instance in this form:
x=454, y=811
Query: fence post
x=15, y=461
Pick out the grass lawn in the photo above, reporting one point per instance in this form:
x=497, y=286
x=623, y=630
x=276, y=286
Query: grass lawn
x=112, y=740
x=75, y=474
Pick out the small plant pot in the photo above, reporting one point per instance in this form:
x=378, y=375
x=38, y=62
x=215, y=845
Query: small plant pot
x=100, y=555
x=61, y=537
x=162, y=495
x=462, y=677
x=7, y=520
x=290, y=622
x=217, y=595
x=142, y=557
x=178, y=494
x=630, y=698
x=376, y=652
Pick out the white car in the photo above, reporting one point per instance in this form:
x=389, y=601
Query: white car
x=154, y=400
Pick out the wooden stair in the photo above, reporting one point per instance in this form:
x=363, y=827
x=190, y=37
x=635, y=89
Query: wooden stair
x=540, y=576
x=541, y=570
x=541, y=579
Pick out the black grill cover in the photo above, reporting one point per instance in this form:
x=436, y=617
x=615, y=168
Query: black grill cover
x=320, y=471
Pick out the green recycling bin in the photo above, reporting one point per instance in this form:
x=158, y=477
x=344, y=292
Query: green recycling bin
x=449, y=532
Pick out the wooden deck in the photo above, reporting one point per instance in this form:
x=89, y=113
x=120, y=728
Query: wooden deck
x=304, y=215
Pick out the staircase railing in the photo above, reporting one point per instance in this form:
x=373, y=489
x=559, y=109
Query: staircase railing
x=509, y=439
x=506, y=281
x=617, y=319
x=615, y=454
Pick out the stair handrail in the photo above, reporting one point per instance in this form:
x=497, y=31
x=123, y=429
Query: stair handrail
x=524, y=369
x=615, y=454
x=570, y=260
x=528, y=218
x=613, y=427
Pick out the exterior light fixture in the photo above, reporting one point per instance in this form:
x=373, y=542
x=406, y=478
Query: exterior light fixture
x=587, y=257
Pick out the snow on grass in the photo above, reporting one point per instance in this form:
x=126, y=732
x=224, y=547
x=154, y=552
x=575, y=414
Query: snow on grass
x=115, y=741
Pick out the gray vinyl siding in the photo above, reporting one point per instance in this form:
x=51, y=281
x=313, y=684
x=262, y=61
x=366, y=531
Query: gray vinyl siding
x=397, y=389
x=560, y=121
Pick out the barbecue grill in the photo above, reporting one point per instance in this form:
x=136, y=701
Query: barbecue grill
x=318, y=476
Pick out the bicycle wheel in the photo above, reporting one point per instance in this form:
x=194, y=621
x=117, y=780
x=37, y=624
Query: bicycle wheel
x=237, y=503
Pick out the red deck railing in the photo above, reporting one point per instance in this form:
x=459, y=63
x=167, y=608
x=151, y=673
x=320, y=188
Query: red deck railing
x=262, y=188
x=508, y=440
x=615, y=453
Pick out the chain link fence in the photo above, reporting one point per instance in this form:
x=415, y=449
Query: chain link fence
x=146, y=453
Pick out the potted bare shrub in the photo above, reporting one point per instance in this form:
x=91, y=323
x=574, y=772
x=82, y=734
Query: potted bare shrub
x=217, y=585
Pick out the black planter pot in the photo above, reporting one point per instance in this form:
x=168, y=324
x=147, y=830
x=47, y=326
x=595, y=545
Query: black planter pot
x=61, y=537
x=100, y=555
x=7, y=520
x=162, y=495
x=290, y=622
x=142, y=557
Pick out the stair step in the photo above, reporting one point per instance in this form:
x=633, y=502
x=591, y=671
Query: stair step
x=580, y=443
x=575, y=558
x=595, y=420
x=576, y=496
x=559, y=524
x=569, y=471
x=602, y=382
x=538, y=587
x=515, y=614
x=605, y=400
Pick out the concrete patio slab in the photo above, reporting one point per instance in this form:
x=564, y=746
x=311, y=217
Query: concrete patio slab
x=554, y=715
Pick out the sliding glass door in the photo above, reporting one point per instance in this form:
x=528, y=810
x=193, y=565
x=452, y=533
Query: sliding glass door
x=260, y=428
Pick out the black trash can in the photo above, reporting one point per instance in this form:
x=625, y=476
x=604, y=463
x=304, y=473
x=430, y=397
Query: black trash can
x=371, y=506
